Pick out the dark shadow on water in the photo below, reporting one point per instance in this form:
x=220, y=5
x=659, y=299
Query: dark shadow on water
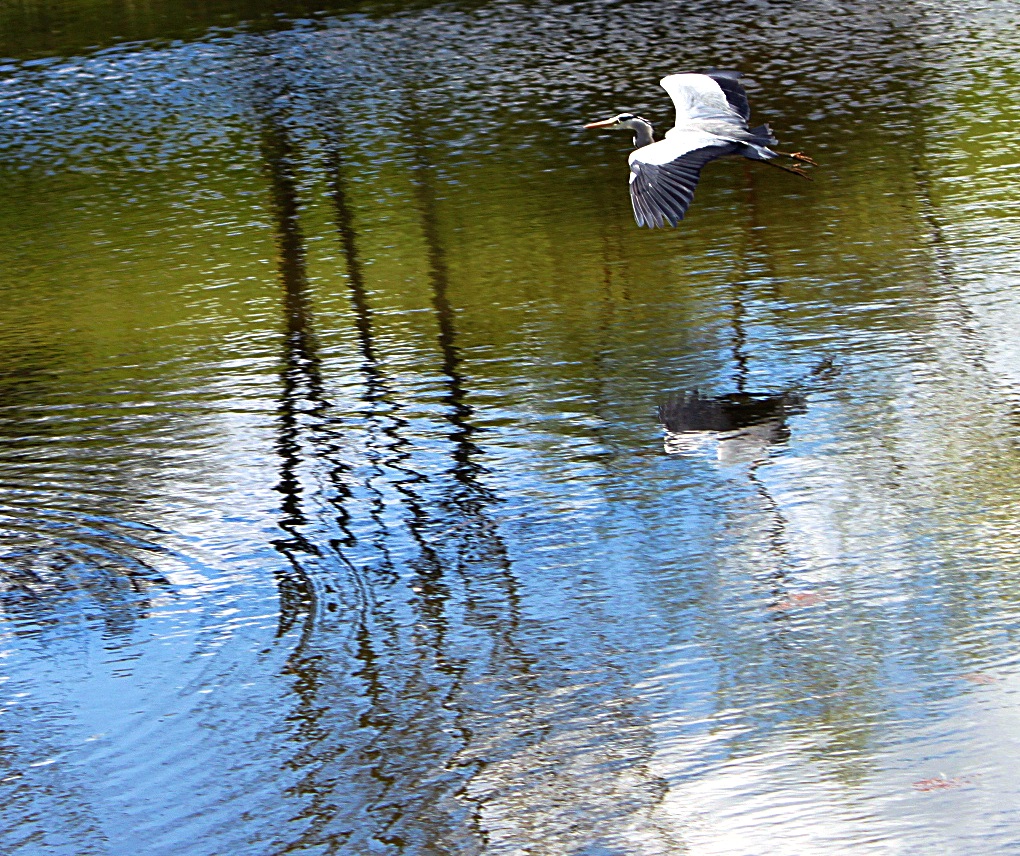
x=469, y=502
x=300, y=376
x=337, y=677
x=763, y=414
x=744, y=428
x=689, y=412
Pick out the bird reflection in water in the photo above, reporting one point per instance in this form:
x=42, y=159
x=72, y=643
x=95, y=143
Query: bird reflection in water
x=741, y=425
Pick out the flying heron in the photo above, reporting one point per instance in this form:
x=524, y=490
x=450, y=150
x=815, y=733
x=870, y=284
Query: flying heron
x=711, y=122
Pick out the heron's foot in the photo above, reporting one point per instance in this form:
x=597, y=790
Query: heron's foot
x=798, y=156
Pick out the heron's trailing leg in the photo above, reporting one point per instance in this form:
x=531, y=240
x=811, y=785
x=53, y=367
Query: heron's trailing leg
x=796, y=170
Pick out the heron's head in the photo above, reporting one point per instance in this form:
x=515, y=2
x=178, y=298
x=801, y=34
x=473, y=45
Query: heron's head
x=642, y=128
x=622, y=121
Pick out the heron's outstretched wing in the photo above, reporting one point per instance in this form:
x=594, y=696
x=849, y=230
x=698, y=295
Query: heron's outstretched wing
x=663, y=175
x=716, y=96
x=729, y=83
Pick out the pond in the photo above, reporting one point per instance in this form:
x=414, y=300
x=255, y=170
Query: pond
x=371, y=483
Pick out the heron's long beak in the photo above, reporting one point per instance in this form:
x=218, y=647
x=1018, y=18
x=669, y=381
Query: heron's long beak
x=605, y=123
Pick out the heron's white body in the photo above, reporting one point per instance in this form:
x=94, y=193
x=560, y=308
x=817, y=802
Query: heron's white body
x=678, y=143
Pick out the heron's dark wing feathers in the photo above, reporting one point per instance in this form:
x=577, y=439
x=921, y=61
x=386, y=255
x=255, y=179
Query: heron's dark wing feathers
x=729, y=83
x=660, y=193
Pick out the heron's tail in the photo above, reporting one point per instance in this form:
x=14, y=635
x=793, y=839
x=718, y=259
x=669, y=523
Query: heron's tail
x=762, y=136
x=759, y=152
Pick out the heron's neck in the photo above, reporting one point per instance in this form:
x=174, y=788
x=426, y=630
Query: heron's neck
x=642, y=134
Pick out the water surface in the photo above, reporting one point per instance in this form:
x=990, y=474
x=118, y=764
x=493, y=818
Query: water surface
x=337, y=512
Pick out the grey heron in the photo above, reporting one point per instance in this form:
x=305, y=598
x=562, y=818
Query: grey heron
x=711, y=122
